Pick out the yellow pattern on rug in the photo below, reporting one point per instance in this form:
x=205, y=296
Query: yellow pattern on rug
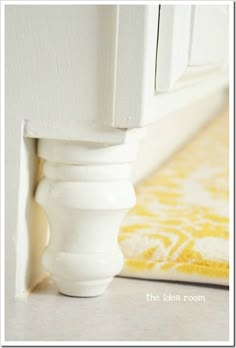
x=178, y=229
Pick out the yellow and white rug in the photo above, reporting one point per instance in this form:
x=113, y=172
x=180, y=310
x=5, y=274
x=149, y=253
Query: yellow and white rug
x=179, y=228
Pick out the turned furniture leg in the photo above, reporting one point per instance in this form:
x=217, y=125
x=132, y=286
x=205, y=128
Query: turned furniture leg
x=86, y=192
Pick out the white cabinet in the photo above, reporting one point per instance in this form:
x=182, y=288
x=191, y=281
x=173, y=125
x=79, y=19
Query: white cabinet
x=210, y=34
x=79, y=80
x=190, y=37
x=174, y=35
x=110, y=64
x=179, y=49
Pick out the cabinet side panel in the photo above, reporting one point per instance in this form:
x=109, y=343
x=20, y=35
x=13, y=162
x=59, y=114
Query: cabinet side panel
x=59, y=62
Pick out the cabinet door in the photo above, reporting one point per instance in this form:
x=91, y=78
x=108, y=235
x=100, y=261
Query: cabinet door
x=167, y=57
x=190, y=36
x=209, y=41
x=172, y=44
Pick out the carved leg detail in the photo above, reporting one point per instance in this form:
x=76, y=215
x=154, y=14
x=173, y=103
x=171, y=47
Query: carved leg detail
x=86, y=192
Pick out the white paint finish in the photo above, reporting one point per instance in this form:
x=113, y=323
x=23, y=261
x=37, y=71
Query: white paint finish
x=72, y=63
x=130, y=35
x=86, y=131
x=155, y=148
x=59, y=71
x=31, y=223
x=60, y=62
x=121, y=314
x=29, y=231
x=173, y=44
x=75, y=152
x=135, y=63
x=26, y=224
x=60, y=68
x=210, y=38
x=191, y=35
x=160, y=105
x=84, y=214
x=69, y=172
x=172, y=131
x=136, y=102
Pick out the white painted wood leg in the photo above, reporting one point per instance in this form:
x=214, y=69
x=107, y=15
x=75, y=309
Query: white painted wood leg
x=86, y=191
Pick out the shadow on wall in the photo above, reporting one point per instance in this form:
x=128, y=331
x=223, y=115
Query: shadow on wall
x=32, y=231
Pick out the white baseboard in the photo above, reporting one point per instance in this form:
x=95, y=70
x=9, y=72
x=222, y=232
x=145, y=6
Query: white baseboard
x=170, y=132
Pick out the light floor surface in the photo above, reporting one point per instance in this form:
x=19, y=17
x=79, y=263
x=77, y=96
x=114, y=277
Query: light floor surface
x=123, y=313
